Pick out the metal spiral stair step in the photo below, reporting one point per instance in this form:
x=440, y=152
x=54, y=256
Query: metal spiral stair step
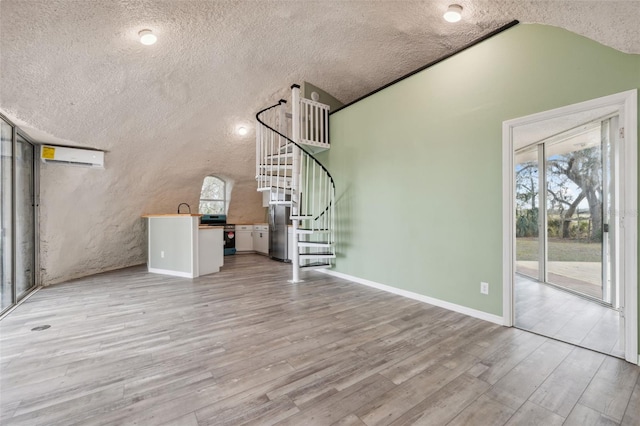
x=267, y=180
x=275, y=189
x=277, y=156
x=313, y=231
x=316, y=265
x=315, y=244
x=282, y=203
x=327, y=255
x=272, y=167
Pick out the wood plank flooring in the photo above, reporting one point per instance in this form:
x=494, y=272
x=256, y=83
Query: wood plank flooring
x=546, y=310
x=245, y=347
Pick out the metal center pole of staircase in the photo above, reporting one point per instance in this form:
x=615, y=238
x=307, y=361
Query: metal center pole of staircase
x=295, y=180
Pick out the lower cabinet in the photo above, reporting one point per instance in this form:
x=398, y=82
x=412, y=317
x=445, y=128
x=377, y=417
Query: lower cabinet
x=261, y=239
x=210, y=250
x=244, y=238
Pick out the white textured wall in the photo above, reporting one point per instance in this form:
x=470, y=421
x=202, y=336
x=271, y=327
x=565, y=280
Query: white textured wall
x=90, y=218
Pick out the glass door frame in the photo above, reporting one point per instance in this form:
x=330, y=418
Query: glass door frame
x=16, y=298
x=608, y=285
x=625, y=209
x=543, y=222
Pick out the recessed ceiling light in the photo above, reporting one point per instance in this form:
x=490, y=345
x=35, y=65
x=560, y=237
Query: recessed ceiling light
x=147, y=37
x=453, y=13
x=242, y=130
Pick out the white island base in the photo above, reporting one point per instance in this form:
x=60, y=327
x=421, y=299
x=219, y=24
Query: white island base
x=178, y=246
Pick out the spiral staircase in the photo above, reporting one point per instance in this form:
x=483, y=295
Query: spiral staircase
x=288, y=171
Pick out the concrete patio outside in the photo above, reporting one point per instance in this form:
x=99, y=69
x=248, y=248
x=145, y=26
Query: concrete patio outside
x=583, y=277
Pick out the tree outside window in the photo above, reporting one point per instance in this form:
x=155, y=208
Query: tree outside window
x=213, y=198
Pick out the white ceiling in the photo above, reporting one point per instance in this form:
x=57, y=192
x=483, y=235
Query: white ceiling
x=74, y=72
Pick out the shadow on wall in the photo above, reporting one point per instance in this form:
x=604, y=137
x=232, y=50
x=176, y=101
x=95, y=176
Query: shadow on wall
x=344, y=225
x=245, y=204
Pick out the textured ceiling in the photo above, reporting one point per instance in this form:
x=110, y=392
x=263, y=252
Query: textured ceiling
x=74, y=71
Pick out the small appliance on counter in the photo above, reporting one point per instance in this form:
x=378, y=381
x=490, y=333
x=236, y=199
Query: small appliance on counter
x=213, y=219
x=229, y=230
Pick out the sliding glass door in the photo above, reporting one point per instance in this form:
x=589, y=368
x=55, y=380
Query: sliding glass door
x=17, y=216
x=25, y=218
x=6, y=216
x=563, y=233
x=528, y=224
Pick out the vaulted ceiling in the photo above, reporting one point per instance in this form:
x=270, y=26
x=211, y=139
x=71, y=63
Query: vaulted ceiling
x=74, y=72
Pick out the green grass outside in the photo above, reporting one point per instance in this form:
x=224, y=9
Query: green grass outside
x=559, y=250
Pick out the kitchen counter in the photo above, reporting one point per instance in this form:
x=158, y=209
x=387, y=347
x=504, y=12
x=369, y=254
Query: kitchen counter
x=178, y=245
x=172, y=215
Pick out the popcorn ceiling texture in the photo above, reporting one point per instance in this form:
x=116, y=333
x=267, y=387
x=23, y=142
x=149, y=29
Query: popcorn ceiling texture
x=73, y=72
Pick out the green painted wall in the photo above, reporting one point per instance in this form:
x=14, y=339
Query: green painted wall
x=418, y=165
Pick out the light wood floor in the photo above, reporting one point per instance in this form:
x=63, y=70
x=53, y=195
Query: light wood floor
x=564, y=316
x=245, y=347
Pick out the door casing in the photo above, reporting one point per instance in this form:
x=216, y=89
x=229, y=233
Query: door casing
x=626, y=104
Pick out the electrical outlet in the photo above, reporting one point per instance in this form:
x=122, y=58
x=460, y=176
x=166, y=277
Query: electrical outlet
x=162, y=254
x=484, y=288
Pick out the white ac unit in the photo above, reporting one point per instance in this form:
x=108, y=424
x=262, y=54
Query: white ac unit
x=73, y=156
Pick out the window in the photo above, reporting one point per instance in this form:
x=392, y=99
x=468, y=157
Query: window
x=213, y=198
x=18, y=215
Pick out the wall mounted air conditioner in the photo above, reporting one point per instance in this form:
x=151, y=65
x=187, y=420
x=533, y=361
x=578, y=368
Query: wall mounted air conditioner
x=72, y=156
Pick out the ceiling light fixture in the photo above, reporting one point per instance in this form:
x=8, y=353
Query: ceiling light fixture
x=242, y=130
x=453, y=13
x=147, y=37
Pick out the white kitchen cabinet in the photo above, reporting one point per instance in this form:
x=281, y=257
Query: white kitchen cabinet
x=244, y=238
x=261, y=238
x=210, y=249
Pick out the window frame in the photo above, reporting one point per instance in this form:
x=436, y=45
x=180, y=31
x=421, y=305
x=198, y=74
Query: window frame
x=224, y=194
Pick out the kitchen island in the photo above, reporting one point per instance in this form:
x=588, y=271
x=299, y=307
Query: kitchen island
x=179, y=246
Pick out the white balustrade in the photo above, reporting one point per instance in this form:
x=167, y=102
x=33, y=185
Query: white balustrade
x=286, y=168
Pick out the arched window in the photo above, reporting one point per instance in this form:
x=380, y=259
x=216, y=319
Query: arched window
x=213, y=197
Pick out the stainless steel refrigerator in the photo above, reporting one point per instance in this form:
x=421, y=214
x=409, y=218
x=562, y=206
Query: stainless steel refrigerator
x=279, y=220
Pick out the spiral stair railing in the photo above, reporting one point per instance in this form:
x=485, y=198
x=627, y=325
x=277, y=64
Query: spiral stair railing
x=293, y=176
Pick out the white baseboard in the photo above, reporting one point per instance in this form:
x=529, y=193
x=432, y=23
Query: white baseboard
x=173, y=273
x=497, y=319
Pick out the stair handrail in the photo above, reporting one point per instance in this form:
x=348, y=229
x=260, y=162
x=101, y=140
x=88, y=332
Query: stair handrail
x=280, y=102
x=301, y=211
